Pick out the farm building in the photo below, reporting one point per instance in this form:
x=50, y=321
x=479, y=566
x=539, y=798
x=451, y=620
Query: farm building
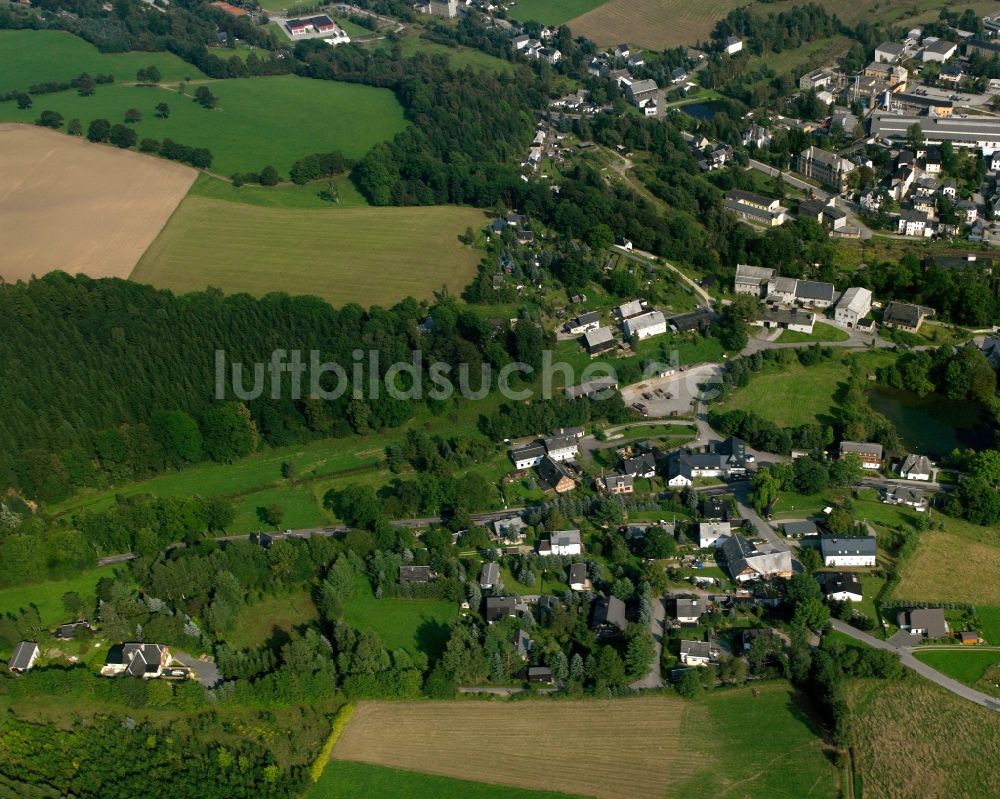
x=848, y=551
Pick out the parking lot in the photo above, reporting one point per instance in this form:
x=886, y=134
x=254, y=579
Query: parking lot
x=673, y=394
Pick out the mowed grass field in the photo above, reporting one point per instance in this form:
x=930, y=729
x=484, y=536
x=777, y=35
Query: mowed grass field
x=258, y=122
x=345, y=780
x=950, y=566
x=29, y=57
x=629, y=747
x=47, y=596
x=965, y=664
x=71, y=205
x=371, y=256
x=914, y=739
x=550, y=12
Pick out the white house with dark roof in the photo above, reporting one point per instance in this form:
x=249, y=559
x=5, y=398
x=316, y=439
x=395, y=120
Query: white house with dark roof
x=578, y=579
x=915, y=467
x=732, y=45
x=563, y=542
x=904, y=495
x=699, y=653
x=24, y=657
x=757, y=280
x=562, y=448
x=841, y=586
x=690, y=610
x=528, y=456
x=858, y=552
x=137, y=660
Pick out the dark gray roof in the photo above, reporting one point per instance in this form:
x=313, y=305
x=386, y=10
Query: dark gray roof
x=691, y=607
x=835, y=582
x=414, y=574
x=902, y=313
x=929, y=619
x=848, y=546
x=610, y=611
x=577, y=572
x=499, y=607
x=23, y=653
x=800, y=528
x=814, y=290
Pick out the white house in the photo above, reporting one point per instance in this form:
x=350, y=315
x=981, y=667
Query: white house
x=630, y=309
x=24, y=657
x=904, y=495
x=690, y=610
x=854, y=305
x=841, y=586
x=732, y=45
x=848, y=551
x=713, y=534
x=564, y=542
x=698, y=653
x=562, y=448
x=915, y=467
x=527, y=457
x=647, y=325
x=579, y=325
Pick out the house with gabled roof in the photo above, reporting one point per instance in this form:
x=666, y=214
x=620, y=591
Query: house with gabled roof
x=578, y=579
x=745, y=562
x=904, y=316
x=851, y=551
x=499, y=607
x=24, y=657
x=841, y=586
x=554, y=476
x=689, y=611
x=135, y=659
x=415, y=574
x=904, y=495
x=915, y=467
x=609, y=617
x=870, y=453
x=699, y=653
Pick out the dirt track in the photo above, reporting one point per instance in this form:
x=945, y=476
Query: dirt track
x=80, y=207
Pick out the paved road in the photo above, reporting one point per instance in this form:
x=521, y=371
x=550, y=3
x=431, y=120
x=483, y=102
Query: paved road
x=908, y=660
x=653, y=678
x=706, y=298
x=741, y=491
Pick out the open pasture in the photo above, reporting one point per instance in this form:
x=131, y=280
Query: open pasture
x=365, y=255
x=71, y=205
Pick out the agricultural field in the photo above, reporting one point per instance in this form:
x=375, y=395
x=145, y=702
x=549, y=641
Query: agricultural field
x=369, y=256
x=720, y=754
x=251, y=127
x=346, y=780
x=416, y=625
x=28, y=57
x=950, y=756
x=551, y=12
x=952, y=566
x=71, y=205
x=659, y=24
x=47, y=596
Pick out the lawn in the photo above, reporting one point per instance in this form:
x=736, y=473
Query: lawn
x=951, y=566
x=965, y=664
x=460, y=57
x=945, y=741
x=250, y=128
x=821, y=332
x=369, y=256
x=284, y=195
x=989, y=620
x=722, y=728
x=272, y=618
x=47, y=596
x=28, y=57
x=550, y=12
x=346, y=780
x=416, y=625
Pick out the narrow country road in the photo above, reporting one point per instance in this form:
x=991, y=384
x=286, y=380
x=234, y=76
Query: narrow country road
x=908, y=660
x=706, y=299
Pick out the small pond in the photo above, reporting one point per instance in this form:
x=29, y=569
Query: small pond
x=933, y=425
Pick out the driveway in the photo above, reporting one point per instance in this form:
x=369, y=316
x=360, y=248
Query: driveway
x=206, y=670
x=653, y=678
x=894, y=644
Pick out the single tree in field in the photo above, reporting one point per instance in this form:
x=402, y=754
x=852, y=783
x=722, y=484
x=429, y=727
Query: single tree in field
x=204, y=97
x=162, y=110
x=50, y=119
x=133, y=115
x=273, y=514
x=24, y=101
x=73, y=603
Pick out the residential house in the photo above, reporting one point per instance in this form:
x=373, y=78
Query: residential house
x=24, y=657
x=678, y=75
x=699, y=653
x=796, y=319
x=887, y=52
x=716, y=508
x=562, y=447
x=415, y=574
x=641, y=91
x=554, y=476
x=630, y=309
x=540, y=675
x=643, y=465
x=732, y=45
x=904, y=316
x=745, y=562
x=528, y=456
x=848, y=551
x=870, y=454
x=756, y=136
x=755, y=208
x=827, y=168
x=583, y=323
x=510, y=529
x=137, y=660
x=564, y=542
x=968, y=211
x=841, y=586
x=499, y=607
x=904, y=495
x=914, y=223
x=915, y=467
x=569, y=432
x=68, y=631
x=699, y=319
x=925, y=622
x=647, y=325
x=713, y=534
x=854, y=305
x=599, y=340
x=757, y=280
x=616, y=484
x=578, y=579
x=690, y=610
x=814, y=294
x=803, y=529
x=489, y=575
x=609, y=617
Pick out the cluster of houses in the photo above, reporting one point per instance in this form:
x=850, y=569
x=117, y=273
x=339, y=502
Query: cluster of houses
x=552, y=458
x=537, y=49
x=636, y=319
x=615, y=65
x=132, y=659
x=316, y=27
